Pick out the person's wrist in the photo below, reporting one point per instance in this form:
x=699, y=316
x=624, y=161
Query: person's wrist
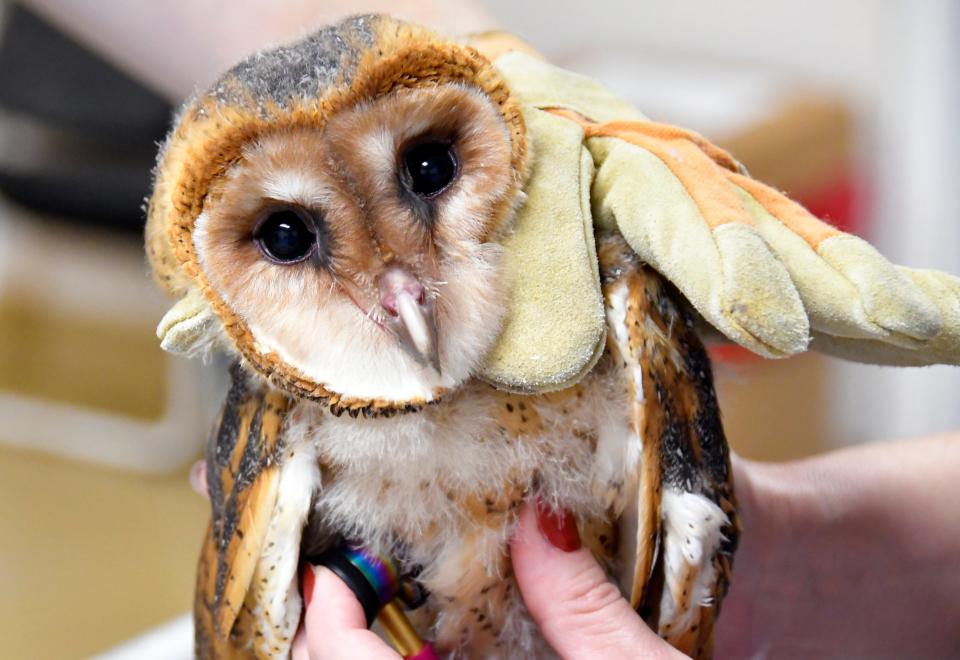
x=773, y=513
x=777, y=500
x=780, y=510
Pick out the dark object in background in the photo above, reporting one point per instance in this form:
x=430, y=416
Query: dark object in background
x=78, y=136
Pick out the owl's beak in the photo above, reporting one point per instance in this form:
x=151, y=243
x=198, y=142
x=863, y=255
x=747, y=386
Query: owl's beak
x=410, y=316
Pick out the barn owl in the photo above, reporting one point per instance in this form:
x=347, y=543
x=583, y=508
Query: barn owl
x=454, y=279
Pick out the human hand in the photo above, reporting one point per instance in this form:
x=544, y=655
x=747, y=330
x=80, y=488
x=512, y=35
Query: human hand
x=580, y=612
x=852, y=554
x=334, y=625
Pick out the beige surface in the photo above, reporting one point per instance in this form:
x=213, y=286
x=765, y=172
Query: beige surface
x=88, y=556
x=777, y=410
x=101, y=364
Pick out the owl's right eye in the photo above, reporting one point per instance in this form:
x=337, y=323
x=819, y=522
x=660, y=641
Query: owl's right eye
x=285, y=237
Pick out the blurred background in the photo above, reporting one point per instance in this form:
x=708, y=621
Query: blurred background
x=850, y=107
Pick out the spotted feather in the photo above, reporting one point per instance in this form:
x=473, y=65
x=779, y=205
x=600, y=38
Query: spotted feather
x=242, y=482
x=687, y=527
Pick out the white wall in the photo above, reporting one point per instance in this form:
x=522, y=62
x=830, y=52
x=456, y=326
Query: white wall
x=915, y=160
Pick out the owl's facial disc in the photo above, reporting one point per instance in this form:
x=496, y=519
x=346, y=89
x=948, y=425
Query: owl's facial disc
x=359, y=255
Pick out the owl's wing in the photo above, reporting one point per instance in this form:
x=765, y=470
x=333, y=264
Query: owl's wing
x=681, y=549
x=243, y=484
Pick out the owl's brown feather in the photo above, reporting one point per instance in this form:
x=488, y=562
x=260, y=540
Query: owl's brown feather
x=242, y=480
x=628, y=343
x=684, y=447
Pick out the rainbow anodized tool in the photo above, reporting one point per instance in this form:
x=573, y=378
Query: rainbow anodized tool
x=375, y=581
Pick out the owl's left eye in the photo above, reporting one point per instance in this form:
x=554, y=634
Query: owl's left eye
x=285, y=237
x=429, y=167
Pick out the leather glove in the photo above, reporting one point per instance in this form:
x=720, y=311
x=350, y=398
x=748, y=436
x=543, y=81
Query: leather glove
x=758, y=267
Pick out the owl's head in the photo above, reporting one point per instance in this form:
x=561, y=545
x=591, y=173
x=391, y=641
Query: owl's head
x=336, y=203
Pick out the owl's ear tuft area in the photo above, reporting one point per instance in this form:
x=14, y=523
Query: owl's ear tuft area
x=190, y=328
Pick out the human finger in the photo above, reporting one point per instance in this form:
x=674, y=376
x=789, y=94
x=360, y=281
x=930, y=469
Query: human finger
x=580, y=612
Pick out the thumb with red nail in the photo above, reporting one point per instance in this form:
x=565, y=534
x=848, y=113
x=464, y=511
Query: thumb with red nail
x=581, y=613
x=334, y=624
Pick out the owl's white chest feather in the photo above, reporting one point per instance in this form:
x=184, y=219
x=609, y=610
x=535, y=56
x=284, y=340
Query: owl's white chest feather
x=406, y=478
x=441, y=486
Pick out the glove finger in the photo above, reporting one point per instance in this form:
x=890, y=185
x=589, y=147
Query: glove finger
x=555, y=327
x=944, y=290
x=944, y=348
x=717, y=259
x=889, y=298
x=831, y=301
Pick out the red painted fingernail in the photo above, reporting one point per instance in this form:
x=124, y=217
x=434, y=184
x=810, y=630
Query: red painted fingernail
x=558, y=527
x=426, y=652
x=309, y=579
